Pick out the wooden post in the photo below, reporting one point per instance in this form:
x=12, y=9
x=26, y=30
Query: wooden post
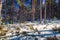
x=40, y=11
x=0, y=11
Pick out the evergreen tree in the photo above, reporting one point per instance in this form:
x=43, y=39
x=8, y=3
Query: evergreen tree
x=58, y=9
x=50, y=8
x=0, y=11
x=33, y=9
x=40, y=11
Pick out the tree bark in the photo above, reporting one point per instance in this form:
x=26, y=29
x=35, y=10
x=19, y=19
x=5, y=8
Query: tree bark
x=33, y=9
x=0, y=11
x=45, y=11
x=40, y=11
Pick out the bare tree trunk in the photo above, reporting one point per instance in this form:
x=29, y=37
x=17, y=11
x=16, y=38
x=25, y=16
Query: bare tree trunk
x=12, y=9
x=50, y=9
x=0, y=11
x=5, y=7
x=33, y=9
x=40, y=11
x=45, y=12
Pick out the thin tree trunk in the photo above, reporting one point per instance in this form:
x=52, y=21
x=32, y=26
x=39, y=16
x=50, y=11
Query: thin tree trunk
x=45, y=12
x=33, y=9
x=0, y=11
x=5, y=8
x=13, y=11
x=40, y=11
x=50, y=9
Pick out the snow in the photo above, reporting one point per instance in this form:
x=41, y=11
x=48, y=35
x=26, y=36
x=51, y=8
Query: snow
x=25, y=27
x=42, y=39
x=46, y=32
x=9, y=34
x=36, y=25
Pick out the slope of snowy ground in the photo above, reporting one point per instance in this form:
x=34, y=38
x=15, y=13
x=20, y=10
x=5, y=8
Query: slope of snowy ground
x=31, y=27
x=35, y=26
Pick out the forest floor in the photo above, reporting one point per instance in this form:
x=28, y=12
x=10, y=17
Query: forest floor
x=45, y=30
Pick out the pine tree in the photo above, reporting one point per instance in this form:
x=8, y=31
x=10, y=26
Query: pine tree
x=58, y=9
x=45, y=10
x=10, y=10
x=50, y=8
x=22, y=10
x=0, y=11
x=33, y=9
x=4, y=11
x=40, y=11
